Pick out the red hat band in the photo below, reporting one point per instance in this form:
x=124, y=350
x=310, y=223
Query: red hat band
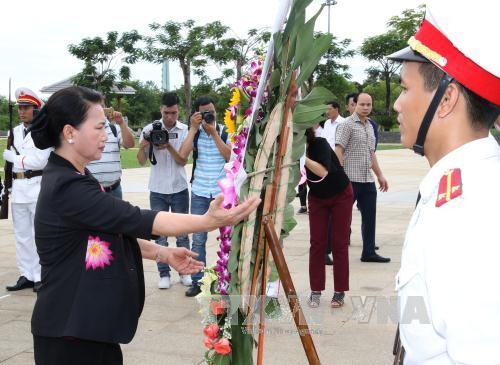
x=26, y=98
x=434, y=45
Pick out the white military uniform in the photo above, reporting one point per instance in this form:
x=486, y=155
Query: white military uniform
x=23, y=198
x=448, y=281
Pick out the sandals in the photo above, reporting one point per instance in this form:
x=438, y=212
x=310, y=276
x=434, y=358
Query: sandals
x=314, y=298
x=338, y=299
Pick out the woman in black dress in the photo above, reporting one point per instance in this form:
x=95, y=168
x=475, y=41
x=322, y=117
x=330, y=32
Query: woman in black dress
x=91, y=244
x=330, y=195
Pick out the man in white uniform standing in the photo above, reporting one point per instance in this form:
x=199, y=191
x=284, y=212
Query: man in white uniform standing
x=28, y=163
x=448, y=281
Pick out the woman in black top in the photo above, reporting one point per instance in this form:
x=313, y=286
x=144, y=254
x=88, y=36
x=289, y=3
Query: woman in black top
x=330, y=194
x=92, y=290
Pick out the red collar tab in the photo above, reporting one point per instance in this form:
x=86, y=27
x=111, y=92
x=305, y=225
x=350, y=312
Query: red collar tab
x=450, y=187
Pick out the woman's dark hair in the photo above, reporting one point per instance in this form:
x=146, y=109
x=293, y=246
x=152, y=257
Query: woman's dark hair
x=66, y=106
x=310, y=135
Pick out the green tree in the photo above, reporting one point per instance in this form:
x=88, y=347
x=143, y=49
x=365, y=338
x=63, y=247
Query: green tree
x=377, y=91
x=331, y=73
x=185, y=43
x=100, y=55
x=376, y=48
x=237, y=50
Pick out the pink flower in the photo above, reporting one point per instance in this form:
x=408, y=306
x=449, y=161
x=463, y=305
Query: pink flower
x=208, y=343
x=223, y=346
x=211, y=331
x=218, y=307
x=98, y=253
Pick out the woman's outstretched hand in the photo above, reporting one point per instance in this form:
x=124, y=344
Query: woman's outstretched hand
x=181, y=259
x=217, y=216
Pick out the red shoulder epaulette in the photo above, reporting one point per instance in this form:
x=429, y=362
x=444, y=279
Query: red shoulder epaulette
x=450, y=186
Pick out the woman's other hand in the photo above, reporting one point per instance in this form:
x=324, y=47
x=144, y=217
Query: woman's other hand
x=181, y=259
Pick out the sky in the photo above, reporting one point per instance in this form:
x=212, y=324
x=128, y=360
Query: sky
x=34, y=36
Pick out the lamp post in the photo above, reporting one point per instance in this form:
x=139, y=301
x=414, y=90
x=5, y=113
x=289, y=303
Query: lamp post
x=329, y=3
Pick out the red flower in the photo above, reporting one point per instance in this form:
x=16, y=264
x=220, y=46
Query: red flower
x=218, y=307
x=208, y=342
x=223, y=346
x=211, y=331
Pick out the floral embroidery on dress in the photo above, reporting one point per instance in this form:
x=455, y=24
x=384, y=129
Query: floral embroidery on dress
x=98, y=253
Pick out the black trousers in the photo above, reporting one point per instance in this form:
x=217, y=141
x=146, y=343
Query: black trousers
x=74, y=351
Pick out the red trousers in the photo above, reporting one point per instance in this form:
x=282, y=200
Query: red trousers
x=340, y=209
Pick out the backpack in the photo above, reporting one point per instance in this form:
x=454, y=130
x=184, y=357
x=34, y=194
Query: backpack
x=223, y=135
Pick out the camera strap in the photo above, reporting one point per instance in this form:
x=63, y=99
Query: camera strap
x=152, y=157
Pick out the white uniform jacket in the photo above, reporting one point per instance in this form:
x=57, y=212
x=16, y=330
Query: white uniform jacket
x=29, y=158
x=450, y=268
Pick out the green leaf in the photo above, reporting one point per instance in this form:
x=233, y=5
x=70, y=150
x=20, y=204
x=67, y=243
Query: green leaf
x=274, y=80
x=318, y=95
x=235, y=249
x=219, y=359
x=241, y=343
x=320, y=46
x=308, y=115
x=305, y=40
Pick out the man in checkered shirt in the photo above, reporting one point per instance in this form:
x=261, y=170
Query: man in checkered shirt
x=355, y=147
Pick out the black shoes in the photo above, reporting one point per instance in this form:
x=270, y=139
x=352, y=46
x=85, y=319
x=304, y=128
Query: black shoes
x=328, y=260
x=375, y=258
x=22, y=283
x=302, y=210
x=37, y=286
x=193, y=290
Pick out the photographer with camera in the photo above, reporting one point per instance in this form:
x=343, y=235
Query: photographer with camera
x=108, y=170
x=160, y=142
x=209, y=142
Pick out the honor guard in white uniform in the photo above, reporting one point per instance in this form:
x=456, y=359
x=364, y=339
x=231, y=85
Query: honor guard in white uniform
x=28, y=163
x=448, y=281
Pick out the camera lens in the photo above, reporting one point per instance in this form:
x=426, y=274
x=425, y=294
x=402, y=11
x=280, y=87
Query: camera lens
x=208, y=117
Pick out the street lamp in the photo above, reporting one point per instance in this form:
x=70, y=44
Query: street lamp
x=329, y=3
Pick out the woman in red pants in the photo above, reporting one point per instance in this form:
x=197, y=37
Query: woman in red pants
x=330, y=194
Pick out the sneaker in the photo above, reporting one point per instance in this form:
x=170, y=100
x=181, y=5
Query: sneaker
x=193, y=290
x=186, y=280
x=164, y=282
x=302, y=210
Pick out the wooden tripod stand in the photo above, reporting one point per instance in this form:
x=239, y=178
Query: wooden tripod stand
x=271, y=242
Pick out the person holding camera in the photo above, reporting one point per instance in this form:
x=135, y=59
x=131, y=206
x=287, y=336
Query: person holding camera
x=160, y=142
x=209, y=142
x=108, y=170
x=27, y=165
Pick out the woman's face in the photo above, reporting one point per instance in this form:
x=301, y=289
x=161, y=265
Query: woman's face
x=90, y=137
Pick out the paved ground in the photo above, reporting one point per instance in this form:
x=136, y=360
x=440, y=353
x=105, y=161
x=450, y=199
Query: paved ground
x=170, y=331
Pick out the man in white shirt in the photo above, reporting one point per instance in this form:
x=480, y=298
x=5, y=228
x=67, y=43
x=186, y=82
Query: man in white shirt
x=331, y=124
x=108, y=170
x=160, y=141
x=27, y=168
x=448, y=281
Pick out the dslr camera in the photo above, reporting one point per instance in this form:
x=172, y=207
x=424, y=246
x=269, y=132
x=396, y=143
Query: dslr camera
x=159, y=136
x=208, y=116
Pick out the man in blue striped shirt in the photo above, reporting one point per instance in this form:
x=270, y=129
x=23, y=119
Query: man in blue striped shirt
x=211, y=151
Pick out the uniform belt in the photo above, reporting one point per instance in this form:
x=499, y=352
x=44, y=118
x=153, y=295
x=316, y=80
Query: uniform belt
x=28, y=174
x=112, y=187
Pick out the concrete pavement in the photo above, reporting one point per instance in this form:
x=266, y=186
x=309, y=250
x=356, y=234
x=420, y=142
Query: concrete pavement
x=170, y=331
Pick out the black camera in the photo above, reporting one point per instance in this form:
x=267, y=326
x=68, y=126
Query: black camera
x=208, y=116
x=157, y=136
